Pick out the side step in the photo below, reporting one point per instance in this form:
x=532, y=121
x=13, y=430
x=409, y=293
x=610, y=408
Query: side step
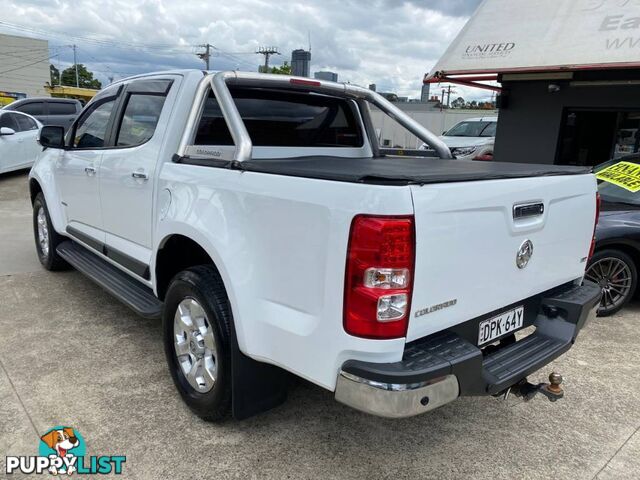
x=135, y=295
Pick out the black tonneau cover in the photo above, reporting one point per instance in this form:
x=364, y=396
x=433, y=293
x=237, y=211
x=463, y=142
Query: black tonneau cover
x=392, y=170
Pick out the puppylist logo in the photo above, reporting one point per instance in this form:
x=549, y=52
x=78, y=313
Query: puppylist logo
x=62, y=450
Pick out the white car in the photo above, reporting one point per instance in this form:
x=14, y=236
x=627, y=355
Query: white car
x=471, y=139
x=259, y=218
x=18, y=140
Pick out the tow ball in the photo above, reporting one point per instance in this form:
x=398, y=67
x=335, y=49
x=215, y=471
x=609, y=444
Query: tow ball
x=525, y=390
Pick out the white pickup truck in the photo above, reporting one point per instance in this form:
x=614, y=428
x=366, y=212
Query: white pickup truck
x=259, y=217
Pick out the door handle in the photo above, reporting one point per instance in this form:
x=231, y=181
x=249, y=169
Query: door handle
x=91, y=171
x=139, y=175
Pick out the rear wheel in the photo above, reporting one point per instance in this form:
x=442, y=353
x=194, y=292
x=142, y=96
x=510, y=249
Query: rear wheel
x=47, y=239
x=617, y=275
x=197, y=331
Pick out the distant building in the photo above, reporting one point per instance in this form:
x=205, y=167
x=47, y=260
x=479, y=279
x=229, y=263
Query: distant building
x=23, y=75
x=329, y=76
x=426, y=91
x=300, y=61
x=372, y=87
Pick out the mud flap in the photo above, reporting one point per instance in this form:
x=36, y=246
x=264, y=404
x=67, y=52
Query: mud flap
x=255, y=386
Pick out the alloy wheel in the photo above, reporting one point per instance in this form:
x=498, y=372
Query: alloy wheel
x=615, y=279
x=43, y=232
x=195, y=345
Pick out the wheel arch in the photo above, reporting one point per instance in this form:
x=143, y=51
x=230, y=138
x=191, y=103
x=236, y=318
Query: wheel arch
x=34, y=189
x=36, y=186
x=629, y=247
x=177, y=252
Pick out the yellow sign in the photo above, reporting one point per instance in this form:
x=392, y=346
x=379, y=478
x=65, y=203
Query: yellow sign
x=623, y=174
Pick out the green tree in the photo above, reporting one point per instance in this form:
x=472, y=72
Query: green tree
x=285, y=69
x=458, y=103
x=54, y=73
x=85, y=77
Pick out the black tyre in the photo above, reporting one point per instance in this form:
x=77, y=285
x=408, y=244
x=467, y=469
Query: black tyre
x=196, y=323
x=616, y=273
x=47, y=239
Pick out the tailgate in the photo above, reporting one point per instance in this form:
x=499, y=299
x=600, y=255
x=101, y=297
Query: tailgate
x=467, y=241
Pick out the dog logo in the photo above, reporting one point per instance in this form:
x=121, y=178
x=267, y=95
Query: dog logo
x=62, y=451
x=61, y=441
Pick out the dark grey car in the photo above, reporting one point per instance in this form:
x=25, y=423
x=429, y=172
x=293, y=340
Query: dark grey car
x=49, y=111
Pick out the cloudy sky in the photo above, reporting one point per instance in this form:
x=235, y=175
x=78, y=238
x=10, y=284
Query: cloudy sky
x=388, y=42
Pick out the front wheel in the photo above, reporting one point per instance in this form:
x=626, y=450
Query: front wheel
x=47, y=239
x=196, y=324
x=616, y=273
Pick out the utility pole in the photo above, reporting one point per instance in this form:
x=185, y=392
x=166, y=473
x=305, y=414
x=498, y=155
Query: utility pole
x=449, y=96
x=206, y=55
x=75, y=63
x=267, y=52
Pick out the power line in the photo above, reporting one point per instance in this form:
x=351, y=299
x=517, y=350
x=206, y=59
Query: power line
x=94, y=40
x=267, y=52
x=28, y=64
x=206, y=55
x=155, y=49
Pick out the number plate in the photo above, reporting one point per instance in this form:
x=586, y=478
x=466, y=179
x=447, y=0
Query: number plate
x=507, y=322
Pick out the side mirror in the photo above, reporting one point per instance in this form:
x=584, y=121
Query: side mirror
x=7, y=131
x=51, y=137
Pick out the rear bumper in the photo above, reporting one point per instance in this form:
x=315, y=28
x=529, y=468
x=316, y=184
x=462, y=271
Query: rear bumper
x=437, y=369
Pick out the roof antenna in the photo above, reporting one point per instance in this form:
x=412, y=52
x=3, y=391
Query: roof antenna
x=309, y=33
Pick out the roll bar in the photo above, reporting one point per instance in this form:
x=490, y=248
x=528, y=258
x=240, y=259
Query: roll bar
x=242, y=149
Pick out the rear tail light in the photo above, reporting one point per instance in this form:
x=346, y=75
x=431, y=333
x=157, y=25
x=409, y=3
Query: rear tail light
x=593, y=239
x=379, y=276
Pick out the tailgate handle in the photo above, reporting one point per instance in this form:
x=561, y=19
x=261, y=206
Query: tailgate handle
x=525, y=210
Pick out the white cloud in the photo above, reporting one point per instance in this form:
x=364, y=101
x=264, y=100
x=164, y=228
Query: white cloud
x=388, y=42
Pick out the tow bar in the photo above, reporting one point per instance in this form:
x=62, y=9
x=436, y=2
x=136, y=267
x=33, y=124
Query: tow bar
x=525, y=390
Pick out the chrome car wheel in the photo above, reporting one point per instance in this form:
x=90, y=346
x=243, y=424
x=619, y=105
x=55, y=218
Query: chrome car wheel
x=195, y=345
x=43, y=232
x=615, y=278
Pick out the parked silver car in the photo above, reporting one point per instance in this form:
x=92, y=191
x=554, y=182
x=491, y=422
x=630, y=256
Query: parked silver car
x=60, y=112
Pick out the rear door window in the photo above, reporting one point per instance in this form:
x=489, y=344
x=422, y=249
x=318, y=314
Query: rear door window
x=140, y=118
x=32, y=108
x=62, y=108
x=25, y=123
x=490, y=130
x=284, y=119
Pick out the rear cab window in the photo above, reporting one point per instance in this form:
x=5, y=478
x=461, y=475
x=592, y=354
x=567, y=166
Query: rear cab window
x=278, y=118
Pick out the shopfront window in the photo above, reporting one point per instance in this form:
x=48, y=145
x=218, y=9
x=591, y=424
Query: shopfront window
x=627, y=135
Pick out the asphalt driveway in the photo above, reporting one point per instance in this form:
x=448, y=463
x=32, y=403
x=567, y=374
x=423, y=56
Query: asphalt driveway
x=72, y=355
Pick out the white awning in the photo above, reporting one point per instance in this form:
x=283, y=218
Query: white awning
x=545, y=35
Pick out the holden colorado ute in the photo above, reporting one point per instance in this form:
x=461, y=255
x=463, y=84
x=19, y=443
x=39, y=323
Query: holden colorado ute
x=258, y=216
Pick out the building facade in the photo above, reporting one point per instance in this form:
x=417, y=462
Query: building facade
x=425, y=93
x=329, y=76
x=300, y=62
x=584, y=119
x=24, y=67
x=569, y=83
